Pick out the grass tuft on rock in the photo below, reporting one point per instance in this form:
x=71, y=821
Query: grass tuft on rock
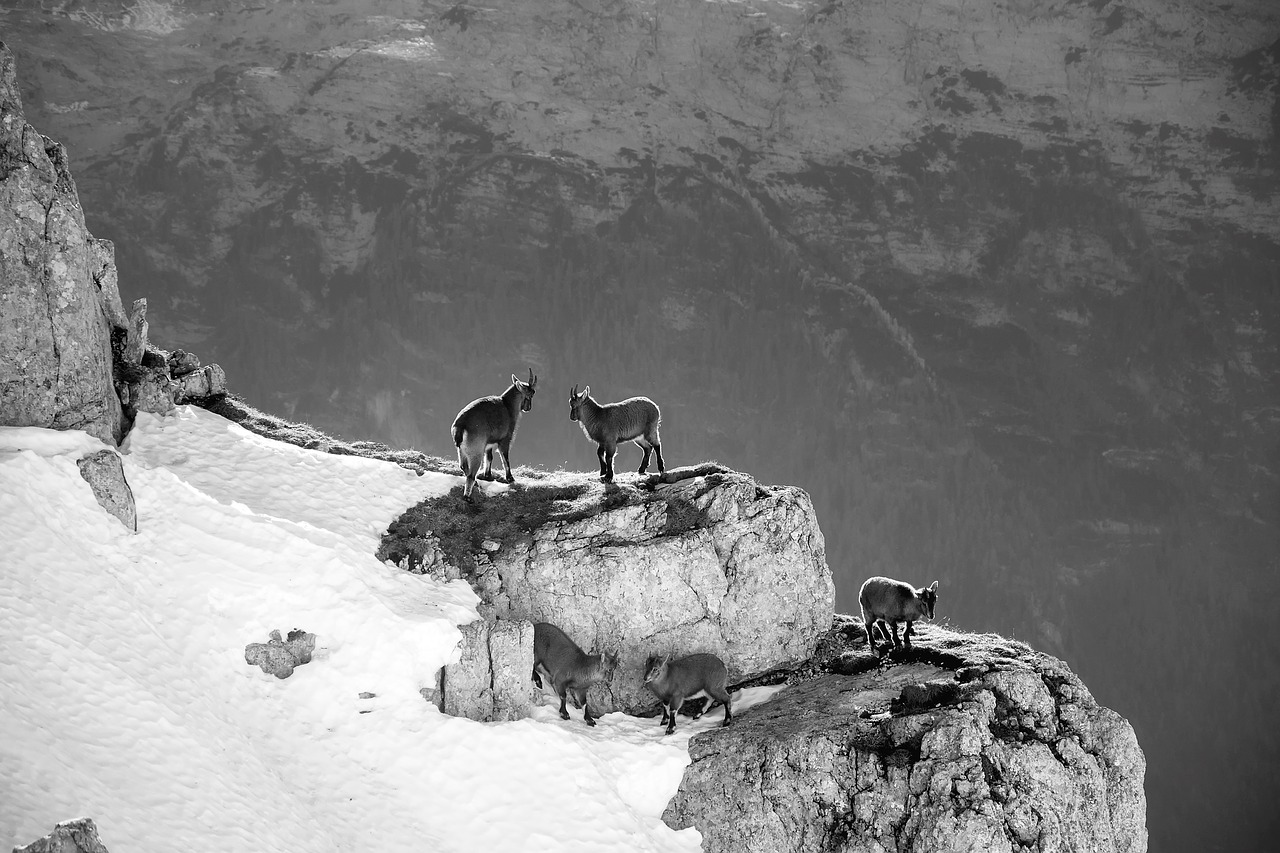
x=460, y=528
x=235, y=409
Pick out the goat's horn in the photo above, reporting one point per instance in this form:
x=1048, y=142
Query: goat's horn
x=532, y=378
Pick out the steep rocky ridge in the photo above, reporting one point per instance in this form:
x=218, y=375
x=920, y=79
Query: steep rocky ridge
x=699, y=560
x=973, y=742
x=1020, y=255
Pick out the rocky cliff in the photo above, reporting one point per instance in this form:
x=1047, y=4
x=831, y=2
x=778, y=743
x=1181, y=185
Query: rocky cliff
x=970, y=743
x=1019, y=256
x=58, y=292
x=699, y=560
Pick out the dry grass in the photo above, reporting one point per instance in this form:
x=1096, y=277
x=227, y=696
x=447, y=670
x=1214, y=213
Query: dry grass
x=235, y=409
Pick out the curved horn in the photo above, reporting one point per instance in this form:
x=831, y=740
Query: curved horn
x=533, y=380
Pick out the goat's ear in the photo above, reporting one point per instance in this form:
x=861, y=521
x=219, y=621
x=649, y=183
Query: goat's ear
x=515, y=381
x=586, y=389
x=934, y=586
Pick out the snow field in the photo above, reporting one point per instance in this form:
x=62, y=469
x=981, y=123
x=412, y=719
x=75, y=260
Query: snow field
x=127, y=698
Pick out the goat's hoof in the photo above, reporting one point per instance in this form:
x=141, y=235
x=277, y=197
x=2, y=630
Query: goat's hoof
x=509, y=480
x=564, y=715
x=726, y=722
x=671, y=730
x=589, y=721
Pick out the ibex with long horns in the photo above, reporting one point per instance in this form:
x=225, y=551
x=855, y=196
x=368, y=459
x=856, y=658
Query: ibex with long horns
x=487, y=424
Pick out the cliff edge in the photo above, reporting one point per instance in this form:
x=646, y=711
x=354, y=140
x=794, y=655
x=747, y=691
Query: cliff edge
x=967, y=742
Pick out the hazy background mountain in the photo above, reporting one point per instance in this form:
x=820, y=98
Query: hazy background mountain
x=998, y=283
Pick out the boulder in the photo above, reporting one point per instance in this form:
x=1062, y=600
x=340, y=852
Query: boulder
x=905, y=757
x=58, y=293
x=491, y=679
x=714, y=563
x=73, y=836
x=279, y=656
x=104, y=472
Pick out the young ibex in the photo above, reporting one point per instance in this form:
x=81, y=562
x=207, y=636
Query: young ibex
x=634, y=419
x=688, y=678
x=489, y=423
x=570, y=670
x=890, y=601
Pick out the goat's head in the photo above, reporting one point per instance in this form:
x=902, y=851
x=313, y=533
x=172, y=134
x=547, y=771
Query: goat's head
x=929, y=598
x=526, y=390
x=575, y=401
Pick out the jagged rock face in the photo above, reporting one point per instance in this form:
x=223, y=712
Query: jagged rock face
x=58, y=294
x=74, y=836
x=1019, y=256
x=712, y=564
x=490, y=680
x=1025, y=759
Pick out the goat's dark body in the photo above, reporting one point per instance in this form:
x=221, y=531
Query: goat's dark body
x=691, y=677
x=488, y=424
x=886, y=602
x=570, y=670
x=635, y=419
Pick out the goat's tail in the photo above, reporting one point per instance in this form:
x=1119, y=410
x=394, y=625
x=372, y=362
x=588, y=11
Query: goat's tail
x=457, y=434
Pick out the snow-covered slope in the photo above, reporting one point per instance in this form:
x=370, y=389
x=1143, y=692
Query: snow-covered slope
x=127, y=697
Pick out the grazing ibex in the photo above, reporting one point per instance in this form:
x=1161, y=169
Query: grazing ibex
x=890, y=601
x=634, y=419
x=488, y=423
x=688, y=678
x=570, y=670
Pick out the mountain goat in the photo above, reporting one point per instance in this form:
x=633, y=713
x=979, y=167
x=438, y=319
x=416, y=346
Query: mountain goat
x=634, y=419
x=890, y=601
x=674, y=681
x=489, y=423
x=569, y=669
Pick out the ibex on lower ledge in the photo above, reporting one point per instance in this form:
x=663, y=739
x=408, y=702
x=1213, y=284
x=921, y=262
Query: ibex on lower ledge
x=634, y=419
x=490, y=423
x=890, y=601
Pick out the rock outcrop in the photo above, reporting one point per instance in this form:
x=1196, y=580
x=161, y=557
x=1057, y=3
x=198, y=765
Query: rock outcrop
x=490, y=680
x=58, y=294
x=967, y=743
x=280, y=656
x=710, y=563
x=70, y=357
x=104, y=472
x=73, y=836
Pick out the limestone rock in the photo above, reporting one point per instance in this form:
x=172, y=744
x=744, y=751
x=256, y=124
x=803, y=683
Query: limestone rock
x=280, y=656
x=138, y=329
x=104, y=473
x=182, y=362
x=73, y=836
x=58, y=295
x=199, y=383
x=1021, y=757
x=491, y=680
x=712, y=563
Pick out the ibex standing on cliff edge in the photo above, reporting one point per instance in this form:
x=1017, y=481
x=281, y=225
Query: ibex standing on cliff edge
x=489, y=423
x=634, y=419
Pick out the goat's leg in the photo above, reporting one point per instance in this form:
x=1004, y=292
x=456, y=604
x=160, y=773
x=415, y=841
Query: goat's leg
x=610, y=451
x=487, y=473
x=893, y=627
x=657, y=451
x=676, y=702
x=600, y=456
x=644, y=463
x=504, y=447
x=906, y=635
x=564, y=712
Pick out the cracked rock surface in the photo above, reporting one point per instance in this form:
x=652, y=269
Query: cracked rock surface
x=1019, y=758
x=713, y=563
